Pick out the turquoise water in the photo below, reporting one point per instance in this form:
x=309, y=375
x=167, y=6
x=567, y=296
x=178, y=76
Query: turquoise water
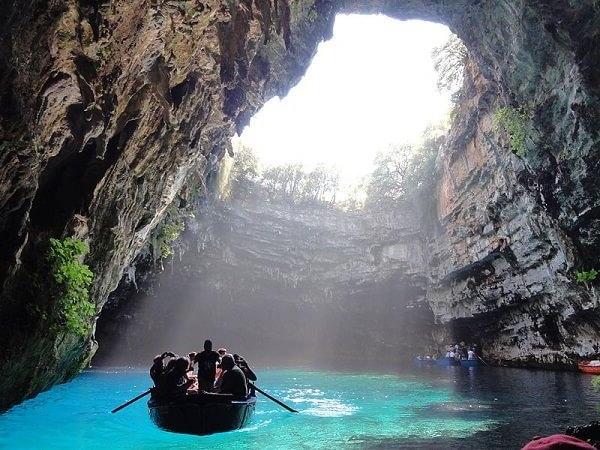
x=454, y=407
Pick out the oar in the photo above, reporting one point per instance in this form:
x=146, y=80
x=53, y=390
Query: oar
x=273, y=399
x=482, y=360
x=133, y=400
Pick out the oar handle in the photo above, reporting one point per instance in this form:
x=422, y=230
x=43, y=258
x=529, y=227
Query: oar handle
x=133, y=400
x=270, y=397
x=482, y=360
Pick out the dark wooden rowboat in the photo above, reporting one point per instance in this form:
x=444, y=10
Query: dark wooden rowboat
x=470, y=363
x=200, y=413
x=447, y=362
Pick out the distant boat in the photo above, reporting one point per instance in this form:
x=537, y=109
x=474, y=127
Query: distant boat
x=424, y=362
x=201, y=414
x=470, y=363
x=446, y=362
x=586, y=367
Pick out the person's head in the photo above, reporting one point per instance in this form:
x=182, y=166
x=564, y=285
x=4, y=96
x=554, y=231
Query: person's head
x=222, y=352
x=182, y=364
x=227, y=362
x=208, y=345
x=157, y=359
x=192, y=355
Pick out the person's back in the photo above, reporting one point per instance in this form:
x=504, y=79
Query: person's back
x=158, y=369
x=233, y=380
x=207, y=366
x=175, y=380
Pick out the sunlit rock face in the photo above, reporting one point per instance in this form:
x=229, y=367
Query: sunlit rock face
x=282, y=282
x=107, y=107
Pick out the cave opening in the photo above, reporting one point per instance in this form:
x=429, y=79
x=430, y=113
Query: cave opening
x=256, y=270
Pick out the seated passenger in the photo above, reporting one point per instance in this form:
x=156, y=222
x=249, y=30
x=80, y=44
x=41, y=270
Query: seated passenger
x=176, y=380
x=158, y=368
x=207, y=366
x=242, y=364
x=233, y=380
x=471, y=354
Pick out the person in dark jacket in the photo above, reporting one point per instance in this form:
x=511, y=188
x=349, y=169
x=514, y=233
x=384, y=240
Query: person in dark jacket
x=176, y=380
x=243, y=364
x=233, y=380
x=207, y=366
x=158, y=368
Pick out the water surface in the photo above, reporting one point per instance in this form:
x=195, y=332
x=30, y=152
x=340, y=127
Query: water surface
x=431, y=408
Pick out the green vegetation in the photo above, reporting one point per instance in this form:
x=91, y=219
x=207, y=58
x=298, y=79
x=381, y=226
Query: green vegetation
x=596, y=384
x=244, y=172
x=291, y=182
x=72, y=280
x=586, y=276
x=516, y=123
x=404, y=172
x=288, y=182
x=169, y=233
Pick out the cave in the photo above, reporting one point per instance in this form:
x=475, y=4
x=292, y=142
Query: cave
x=180, y=88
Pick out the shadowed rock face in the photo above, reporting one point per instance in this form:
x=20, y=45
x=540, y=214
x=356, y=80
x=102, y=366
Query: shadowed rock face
x=107, y=107
x=282, y=282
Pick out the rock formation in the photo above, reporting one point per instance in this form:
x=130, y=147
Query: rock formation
x=280, y=282
x=107, y=107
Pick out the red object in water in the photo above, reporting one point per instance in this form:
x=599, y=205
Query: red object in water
x=585, y=367
x=558, y=442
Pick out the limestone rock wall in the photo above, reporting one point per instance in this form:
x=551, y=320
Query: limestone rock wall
x=281, y=282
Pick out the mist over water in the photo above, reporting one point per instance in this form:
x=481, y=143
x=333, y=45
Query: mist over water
x=279, y=284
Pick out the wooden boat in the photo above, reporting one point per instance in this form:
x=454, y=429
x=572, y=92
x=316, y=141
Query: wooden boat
x=446, y=362
x=423, y=362
x=586, y=367
x=470, y=363
x=200, y=414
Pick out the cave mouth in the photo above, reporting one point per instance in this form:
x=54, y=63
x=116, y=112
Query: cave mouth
x=255, y=279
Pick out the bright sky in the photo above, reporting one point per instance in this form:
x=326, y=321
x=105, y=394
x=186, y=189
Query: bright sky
x=371, y=85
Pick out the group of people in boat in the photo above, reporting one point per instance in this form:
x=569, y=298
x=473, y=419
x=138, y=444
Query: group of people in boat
x=461, y=351
x=457, y=352
x=217, y=371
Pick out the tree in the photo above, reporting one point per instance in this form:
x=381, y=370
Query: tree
x=387, y=184
x=244, y=172
x=404, y=172
x=449, y=61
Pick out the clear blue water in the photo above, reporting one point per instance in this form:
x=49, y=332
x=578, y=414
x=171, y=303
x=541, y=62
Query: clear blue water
x=431, y=408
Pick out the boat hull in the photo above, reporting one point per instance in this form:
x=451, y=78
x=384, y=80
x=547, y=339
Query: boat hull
x=586, y=368
x=201, y=414
x=469, y=363
x=447, y=362
x=424, y=362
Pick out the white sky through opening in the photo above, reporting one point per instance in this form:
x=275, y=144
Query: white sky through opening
x=370, y=86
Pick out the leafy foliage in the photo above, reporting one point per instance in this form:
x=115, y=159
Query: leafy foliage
x=596, y=384
x=449, y=61
x=516, y=124
x=244, y=172
x=73, y=279
x=586, y=276
x=169, y=233
x=291, y=182
x=403, y=172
